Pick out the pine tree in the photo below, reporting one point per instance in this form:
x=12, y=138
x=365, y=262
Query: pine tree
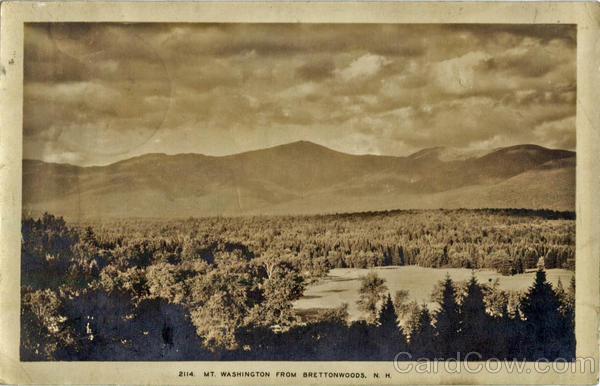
x=387, y=318
x=567, y=310
x=389, y=336
x=474, y=320
x=506, y=338
x=543, y=320
x=422, y=338
x=447, y=321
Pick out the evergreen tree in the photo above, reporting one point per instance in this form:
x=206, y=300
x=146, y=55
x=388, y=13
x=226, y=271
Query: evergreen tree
x=388, y=335
x=474, y=320
x=561, y=294
x=447, y=320
x=544, y=323
x=506, y=340
x=387, y=318
x=567, y=310
x=422, y=338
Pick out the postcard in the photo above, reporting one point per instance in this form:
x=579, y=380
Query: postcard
x=299, y=193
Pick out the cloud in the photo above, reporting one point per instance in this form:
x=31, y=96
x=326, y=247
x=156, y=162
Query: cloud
x=106, y=91
x=557, y=133
x=543, y=33
x=316, y=70
x=457, y=75
x=529, y=59
x=365, y=66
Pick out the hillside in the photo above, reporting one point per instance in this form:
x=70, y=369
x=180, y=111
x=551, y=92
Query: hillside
x=301, y=177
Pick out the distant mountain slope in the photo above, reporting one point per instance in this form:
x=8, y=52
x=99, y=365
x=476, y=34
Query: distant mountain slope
x=301, y=177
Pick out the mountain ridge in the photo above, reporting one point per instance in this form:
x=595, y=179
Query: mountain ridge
x=307, y=144
x=301, y=176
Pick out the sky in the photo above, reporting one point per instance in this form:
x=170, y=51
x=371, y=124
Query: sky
x=97, y=93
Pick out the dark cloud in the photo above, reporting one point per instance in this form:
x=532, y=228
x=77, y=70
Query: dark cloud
x=526, y=66
x=542, y=32
x=316, y=70
x=45, y=62
x=291, y=39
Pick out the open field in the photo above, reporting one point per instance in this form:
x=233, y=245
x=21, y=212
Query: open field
x=341, y=284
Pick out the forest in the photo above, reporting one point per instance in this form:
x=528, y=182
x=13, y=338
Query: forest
x=222, y=288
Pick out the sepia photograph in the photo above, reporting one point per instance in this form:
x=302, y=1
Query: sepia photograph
x=299, y=199
x=298, y=191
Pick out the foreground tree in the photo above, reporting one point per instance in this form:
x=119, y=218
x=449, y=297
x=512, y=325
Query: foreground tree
x=217, y=321
x=389, y=336
x=410, y=319
x=372, y=289
x=45, y=335
x=422, y=338
x=447, y=320
x=567, y=310
x=475, y=322
x=279, y=291
x=401, y=304
x=544, y=324
x=46, y=251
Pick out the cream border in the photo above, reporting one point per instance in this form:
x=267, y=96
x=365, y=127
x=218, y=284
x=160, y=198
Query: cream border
x=14, y=14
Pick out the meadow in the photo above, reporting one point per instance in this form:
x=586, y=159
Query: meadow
x=341, y=285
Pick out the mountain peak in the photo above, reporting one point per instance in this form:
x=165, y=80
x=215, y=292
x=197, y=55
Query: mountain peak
x=525, y=146
x=530, y=150
x=302, y=146
x=302, y=142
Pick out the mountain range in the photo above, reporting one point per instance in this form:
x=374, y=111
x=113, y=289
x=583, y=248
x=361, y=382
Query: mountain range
x=301, y=178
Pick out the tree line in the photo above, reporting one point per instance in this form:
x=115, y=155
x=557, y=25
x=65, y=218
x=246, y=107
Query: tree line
x=509, y=241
